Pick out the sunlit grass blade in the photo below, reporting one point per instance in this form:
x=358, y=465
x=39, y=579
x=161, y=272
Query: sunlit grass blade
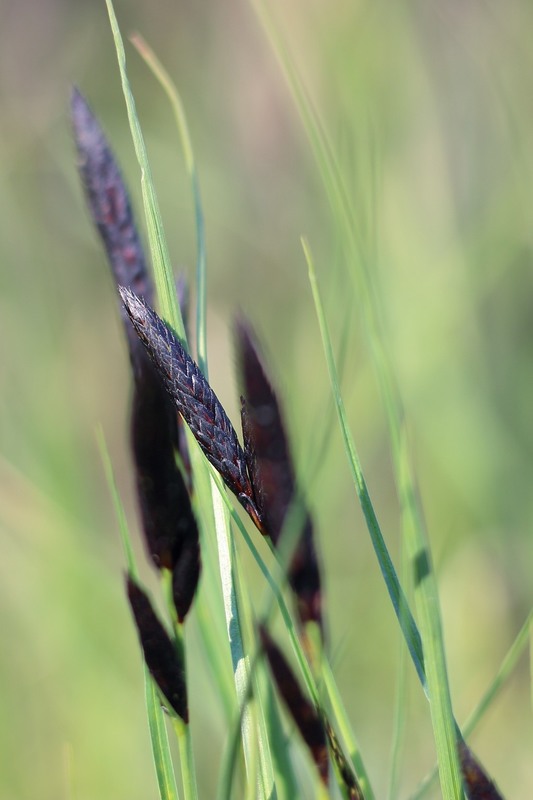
x=181, y=120
x=238, y=614
x=163, y=276
x=164, y=769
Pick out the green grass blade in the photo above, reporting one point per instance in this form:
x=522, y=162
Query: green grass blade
x=117, y=502
x=399, y=601
x=163, y=275
x=190, y=163
x=345, y=728
x=164, y=769
x=398, y=727
x=507, y=667
x=238, y=619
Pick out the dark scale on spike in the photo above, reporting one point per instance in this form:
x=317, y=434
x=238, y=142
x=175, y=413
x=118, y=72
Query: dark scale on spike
x=270, y=467
x=306, y=717
x=109, y=203
x=477, y=784
x=193, y=397
x=161, y=656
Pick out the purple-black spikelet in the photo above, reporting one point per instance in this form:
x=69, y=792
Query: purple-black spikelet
x=160, y=654
x=168, y=521
x=194, y=399
x=270, y=466
x=109, y=204
x=306, y=717
x=477, y=784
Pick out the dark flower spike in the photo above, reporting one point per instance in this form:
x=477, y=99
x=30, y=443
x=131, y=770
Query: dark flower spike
x=477, y=784
x=168, y=522
x=271, y=471
x=161, y=656
x=194, y=399
x=109, y=204
x=306, y=717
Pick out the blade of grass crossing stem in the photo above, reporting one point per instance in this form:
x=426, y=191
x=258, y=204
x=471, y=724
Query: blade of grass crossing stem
x=235, y=603
x=166, y=780
x=506, y=668
x=426, y=591
x=397, y=596
x=190, y=163
x=163, y=275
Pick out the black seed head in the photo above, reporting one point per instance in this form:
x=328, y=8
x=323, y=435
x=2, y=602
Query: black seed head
x=161, y=656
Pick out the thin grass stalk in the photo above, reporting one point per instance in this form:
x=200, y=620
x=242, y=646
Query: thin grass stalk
x=240, y=658
x=164, y=281
x=176, y=103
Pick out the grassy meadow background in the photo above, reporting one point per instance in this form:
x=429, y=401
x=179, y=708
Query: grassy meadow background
x=429, y=108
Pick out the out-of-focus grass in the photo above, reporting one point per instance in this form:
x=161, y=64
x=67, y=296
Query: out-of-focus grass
x=429, y=110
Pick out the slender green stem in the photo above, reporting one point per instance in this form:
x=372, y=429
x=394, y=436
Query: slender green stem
x=186, y=143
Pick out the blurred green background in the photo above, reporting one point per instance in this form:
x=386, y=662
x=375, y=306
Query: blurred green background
x=428, y=105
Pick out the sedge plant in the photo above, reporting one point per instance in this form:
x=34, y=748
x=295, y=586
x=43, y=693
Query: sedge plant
x=191, y=463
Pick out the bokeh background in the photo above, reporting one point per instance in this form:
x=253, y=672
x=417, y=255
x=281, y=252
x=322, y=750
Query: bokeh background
x=428, y=105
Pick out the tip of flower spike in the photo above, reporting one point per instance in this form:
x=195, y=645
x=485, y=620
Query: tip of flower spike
x=133, y=304
x=86, y=127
